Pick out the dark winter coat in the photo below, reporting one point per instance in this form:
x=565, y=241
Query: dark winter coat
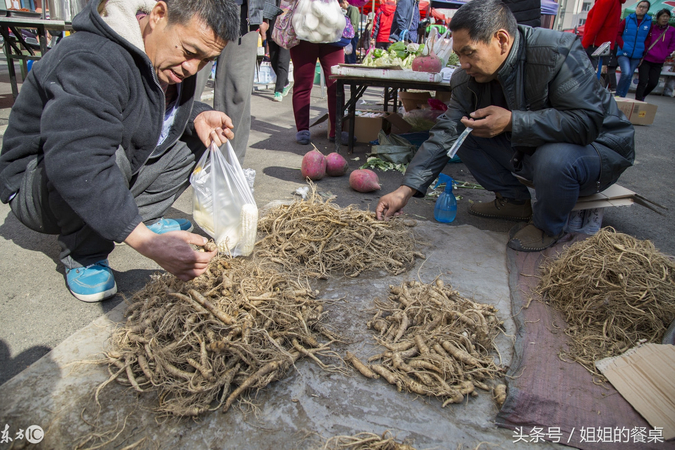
x=526, y=12
x=94, y=92
x=406, y=21
x=554, y=96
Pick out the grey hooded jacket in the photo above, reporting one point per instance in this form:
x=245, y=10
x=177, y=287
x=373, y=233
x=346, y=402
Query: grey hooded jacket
x=554, y=96
x=94, y=92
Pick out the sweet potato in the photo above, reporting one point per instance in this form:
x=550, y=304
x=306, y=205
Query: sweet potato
x=364, y=180
x=336, y=165
x=313, y=165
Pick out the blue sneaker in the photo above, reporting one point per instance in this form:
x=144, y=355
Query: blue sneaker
x=92, y=283
x=165, y=225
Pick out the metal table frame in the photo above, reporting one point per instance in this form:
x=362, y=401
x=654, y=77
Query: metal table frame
x=16, y=48
x=358, y=86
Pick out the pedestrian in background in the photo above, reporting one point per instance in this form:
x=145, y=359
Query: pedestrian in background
x=382, y=23
x=354, y=16
x=235, y=71
x=633, y=32
x=602, y=25
x=280, y=59
x=660, y=44
x=304, y=57
x=406, y=21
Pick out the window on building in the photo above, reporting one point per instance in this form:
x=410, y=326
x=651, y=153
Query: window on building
x=585, y=7
x=581, y=22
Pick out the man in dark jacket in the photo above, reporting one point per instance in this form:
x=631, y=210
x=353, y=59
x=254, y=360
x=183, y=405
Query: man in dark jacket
x=537, y=111
x=105, y=133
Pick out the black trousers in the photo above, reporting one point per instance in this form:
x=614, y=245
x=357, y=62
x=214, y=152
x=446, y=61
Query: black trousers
x=649, y=73
x=280, y=58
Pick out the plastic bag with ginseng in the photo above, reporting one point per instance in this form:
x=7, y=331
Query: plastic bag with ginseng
x=223, y=204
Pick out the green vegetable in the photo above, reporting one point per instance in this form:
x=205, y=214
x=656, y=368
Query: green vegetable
x=374, y=162
x=453, y=59
x=378, y=52
x=398, y=46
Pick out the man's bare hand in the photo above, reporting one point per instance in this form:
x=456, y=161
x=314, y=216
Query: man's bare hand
x=172, y=251
x=263, y=29
x=488, y=122
x=214, y=126
x=392, y=203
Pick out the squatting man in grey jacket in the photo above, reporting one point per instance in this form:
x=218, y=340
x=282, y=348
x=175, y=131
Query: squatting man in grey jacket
x=105, y=133
x=538, y=114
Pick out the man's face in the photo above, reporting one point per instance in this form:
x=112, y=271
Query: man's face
x=478, y=59
x=179, y=51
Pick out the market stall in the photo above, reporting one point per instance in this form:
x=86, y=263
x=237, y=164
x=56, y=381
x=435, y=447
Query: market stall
x=19, y=48
x=393, y=81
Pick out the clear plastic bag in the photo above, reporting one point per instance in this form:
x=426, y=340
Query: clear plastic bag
x=231, y=215
x=319, y=21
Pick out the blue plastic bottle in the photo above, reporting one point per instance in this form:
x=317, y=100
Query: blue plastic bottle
x=446, y=204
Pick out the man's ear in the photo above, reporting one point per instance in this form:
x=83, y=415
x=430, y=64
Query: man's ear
x=504, y=39
x=159, y=12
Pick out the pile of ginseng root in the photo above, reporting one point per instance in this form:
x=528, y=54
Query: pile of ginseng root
x=317, y=238
x=437, y=343
x=614, y=292
x=366, y=441
x=200, y=344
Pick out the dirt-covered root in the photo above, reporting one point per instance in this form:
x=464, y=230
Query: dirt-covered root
x=435, y=342
x=615, y=291
x=200, y=345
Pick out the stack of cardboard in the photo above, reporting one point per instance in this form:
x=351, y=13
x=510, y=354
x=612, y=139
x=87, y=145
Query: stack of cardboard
x=639, y=113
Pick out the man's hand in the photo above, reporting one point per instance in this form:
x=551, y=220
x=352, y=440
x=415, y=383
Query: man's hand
x=488, y=122
x=392, y=203
x=214, y=126
x=172, y=251
x=263, y=29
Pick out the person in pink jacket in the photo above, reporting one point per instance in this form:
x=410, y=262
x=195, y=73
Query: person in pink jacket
x=659, y=44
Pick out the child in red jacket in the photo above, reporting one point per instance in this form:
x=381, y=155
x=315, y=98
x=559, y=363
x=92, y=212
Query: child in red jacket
x=382, y=24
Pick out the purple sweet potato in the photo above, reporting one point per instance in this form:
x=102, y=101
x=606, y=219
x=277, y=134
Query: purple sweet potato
x=313, y=165
x=336, y=165
x=364, y=180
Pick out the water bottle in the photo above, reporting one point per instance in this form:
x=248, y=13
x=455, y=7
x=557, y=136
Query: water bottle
x=446, y=204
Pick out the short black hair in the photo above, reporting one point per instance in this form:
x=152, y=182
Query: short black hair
x=483, y=18
x=222, y=16
x=662, y=12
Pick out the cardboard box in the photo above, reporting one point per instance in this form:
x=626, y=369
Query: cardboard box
x=443, y=96
x=639, y=113
x=615, y=195
x=367, y=124
x=414, y=100
x=643, y=376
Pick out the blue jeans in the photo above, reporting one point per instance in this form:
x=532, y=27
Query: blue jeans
x=560, y=172
x=628, y=66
